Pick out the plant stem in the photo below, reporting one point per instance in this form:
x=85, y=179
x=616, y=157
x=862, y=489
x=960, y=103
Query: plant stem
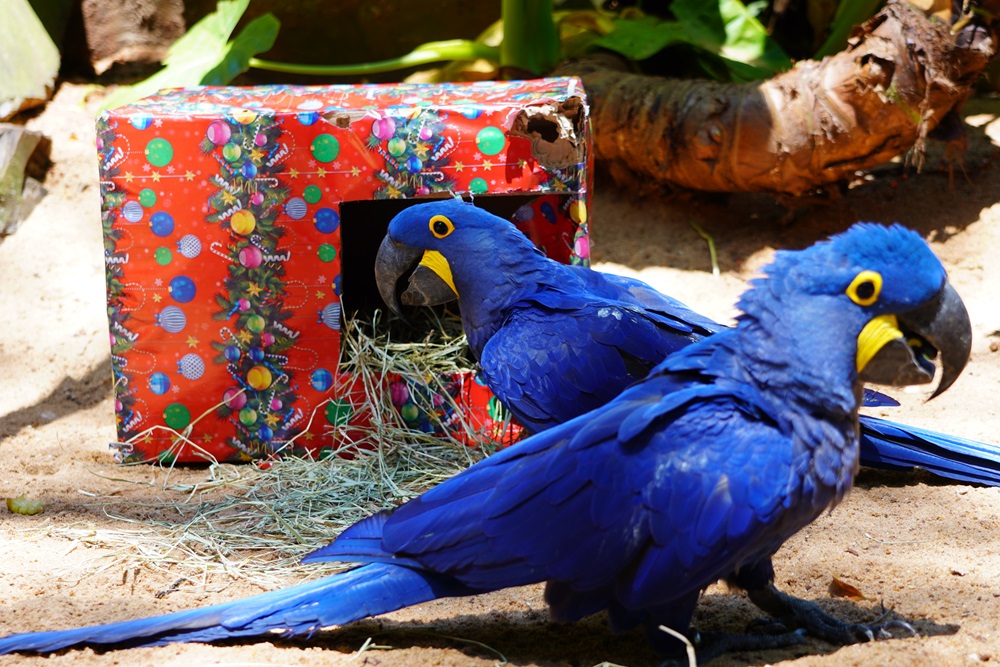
x=530, y=36
x=850, y=13
x=711, y=246
x=453, y=49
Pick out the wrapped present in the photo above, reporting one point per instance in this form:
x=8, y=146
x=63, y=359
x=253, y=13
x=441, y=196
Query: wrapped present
x=240, y=222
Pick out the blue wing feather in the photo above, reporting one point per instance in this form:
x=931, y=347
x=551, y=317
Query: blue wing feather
x=336, y=600
x=902, y=447
x=669, y=501
x=548, y=364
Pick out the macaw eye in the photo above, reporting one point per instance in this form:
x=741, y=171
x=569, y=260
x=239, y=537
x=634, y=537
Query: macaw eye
x=441, y=226
x=865, y=288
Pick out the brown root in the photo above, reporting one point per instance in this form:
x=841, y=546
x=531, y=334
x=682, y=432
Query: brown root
x=815, y=124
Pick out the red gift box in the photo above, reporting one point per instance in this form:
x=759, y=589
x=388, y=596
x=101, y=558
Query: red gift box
x=237, y=221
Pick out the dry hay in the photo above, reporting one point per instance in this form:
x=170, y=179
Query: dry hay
x=255, y=523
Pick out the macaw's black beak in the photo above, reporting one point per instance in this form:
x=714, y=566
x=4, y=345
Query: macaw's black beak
x=912, y=341
x=428, y=272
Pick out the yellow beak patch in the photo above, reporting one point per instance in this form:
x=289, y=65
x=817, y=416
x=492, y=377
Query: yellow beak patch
x=436, y=262
x=877, y=334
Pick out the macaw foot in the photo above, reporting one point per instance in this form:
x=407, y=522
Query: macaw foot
x=818, y=623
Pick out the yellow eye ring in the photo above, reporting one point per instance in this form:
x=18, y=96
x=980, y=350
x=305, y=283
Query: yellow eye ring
x=440, y=226
x=865, y=289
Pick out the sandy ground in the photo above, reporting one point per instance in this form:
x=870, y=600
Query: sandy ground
x=928, y=549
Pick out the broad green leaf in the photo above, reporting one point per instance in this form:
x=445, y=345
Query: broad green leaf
x=641, y=38
x=258, y=36
x=725, y=30
x=205, y=55
x=728, y=29
x=703, y=20
x=747, y=40
x=209, y=34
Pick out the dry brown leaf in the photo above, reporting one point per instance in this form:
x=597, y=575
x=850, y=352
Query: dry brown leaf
x=840, y=589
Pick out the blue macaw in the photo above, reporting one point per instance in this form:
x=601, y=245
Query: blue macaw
x=696, y=473
x=554, y=341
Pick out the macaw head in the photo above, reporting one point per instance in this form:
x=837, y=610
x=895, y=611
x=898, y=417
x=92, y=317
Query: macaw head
x=886, y=285
x=434, y=245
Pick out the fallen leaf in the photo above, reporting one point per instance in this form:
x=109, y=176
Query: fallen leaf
x=839, y=589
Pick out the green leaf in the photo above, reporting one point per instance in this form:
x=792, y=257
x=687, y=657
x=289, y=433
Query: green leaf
x=747, y=40
x=204, y=55
x=849, y=14
x=703, y=21
x=209, y=34
x=726, y=31
x=740, y=71
x=644, y=37
x=730, y=30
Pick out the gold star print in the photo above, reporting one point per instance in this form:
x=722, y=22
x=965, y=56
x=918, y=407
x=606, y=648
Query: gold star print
x=254, y=289
x=355, y=171
x=228, y=197
x=157, y=298
x=522, y=163
x=308, y=436
x=420, y=150
x=256, y=155
x=394, y=192
x=293, y=173
x=321, y=172
x=192, y=341
x=129, y=176
x=487, y=164
x=148, y=439
x=206, y=438
x=272, y=420
x=244, y=337
x=189, y=176
x=156, y=177
x=320, y=294
x=459, y=166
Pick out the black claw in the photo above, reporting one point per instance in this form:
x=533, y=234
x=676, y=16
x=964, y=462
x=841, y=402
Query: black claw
x=817, y=622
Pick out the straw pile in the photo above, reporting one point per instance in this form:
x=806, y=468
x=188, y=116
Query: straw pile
x=256, y=523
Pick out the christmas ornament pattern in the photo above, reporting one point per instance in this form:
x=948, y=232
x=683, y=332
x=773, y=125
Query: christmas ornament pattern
x=222, y=224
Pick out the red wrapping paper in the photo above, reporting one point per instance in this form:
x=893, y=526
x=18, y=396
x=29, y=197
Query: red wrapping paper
x=223, y=217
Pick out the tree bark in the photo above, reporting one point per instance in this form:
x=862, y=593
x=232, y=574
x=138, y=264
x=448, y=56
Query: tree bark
x=813, y=125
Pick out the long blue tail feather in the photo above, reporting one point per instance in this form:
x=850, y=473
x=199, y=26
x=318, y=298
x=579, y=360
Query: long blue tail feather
x=892, y=446
x=366, y=591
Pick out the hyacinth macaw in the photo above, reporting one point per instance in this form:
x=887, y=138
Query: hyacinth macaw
x=554, y=341
x=698, y=472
